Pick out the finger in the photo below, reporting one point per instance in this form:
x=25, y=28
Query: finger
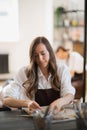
x=30, y=110
x=36, y=105
x=51, y=109
x=30, y=103
x=33, y=105
x=56, y=111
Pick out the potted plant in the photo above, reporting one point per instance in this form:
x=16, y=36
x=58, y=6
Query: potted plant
x=58, y=16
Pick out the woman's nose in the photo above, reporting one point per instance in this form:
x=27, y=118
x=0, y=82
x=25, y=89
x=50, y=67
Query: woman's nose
x=40, y=57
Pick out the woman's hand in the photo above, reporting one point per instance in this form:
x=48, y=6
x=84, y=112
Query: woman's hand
x=32, y=106
x=16, y=103
x=55, y=106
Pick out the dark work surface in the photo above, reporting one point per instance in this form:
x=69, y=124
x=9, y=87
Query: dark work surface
x=12, y=120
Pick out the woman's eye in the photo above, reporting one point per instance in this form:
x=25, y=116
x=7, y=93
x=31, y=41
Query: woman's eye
x=43, y=53
x=36, y=55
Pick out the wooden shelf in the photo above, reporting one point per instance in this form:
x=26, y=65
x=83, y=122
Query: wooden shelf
x=70, y=26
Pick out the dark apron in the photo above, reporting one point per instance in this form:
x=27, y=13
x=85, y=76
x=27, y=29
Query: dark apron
x=46, y=96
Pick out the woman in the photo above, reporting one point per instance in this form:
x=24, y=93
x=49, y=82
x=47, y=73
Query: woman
x=75, y=63
x=43, y=82
x=68, y=57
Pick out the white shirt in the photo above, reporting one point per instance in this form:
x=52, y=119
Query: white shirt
x=16, y=90
x=74, y=62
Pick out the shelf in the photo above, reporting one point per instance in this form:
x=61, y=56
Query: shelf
x=72, y=11
x=69, y=26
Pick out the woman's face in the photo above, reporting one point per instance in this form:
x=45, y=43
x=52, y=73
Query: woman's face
x=61, y=54
x=42, y=56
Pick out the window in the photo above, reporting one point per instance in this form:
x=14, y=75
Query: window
x=9, y=30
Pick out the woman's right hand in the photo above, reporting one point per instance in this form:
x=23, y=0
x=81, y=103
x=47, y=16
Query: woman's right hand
x=32, y=106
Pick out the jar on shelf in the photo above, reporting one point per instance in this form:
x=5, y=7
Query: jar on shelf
x=66, y=21
x=74, y=21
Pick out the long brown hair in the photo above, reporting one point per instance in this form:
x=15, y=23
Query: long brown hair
x=32, y=73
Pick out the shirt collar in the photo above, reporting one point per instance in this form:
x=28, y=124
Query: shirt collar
x=40, y=74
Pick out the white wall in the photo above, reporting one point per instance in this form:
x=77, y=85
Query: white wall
x=70, y=4
x=35, y=19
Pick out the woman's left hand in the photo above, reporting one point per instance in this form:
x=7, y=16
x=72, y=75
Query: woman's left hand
x=56, y=106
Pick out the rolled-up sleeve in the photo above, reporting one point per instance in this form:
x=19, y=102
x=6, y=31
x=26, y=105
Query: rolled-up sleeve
x=15, y=91
x=65, y=79
x=15, y=88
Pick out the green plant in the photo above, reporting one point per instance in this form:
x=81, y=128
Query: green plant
x=58, y=16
